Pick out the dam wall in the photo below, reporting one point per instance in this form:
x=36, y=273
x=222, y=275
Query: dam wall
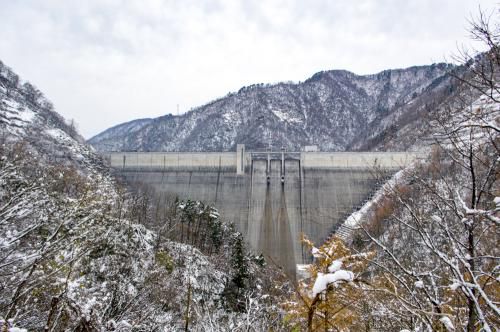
x=272, y=197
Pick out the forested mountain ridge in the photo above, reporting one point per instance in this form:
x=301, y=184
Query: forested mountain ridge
x=333, y=109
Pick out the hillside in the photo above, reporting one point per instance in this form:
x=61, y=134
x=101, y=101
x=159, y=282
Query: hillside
x=336, y=110
x=80, y=252
x=425, y=248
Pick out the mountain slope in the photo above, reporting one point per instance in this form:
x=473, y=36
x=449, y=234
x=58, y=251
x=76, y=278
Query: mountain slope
x=331, y=109
x=75, y=253
x=27, y=116
x=121, y=131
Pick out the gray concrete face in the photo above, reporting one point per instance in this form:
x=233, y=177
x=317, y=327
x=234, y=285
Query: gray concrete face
x=240, y=159
x=271, y=199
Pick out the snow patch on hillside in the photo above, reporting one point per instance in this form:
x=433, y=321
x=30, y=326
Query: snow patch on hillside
x=15, y=115
x=282, y=116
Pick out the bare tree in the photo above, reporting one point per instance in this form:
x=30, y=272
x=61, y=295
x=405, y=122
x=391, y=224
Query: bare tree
x=438, y=261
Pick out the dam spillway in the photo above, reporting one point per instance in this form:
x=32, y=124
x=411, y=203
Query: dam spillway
x=271, y=197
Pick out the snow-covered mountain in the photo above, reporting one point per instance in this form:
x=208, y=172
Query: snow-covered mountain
x=336, y=110
x=27, y=116
x=122, y=130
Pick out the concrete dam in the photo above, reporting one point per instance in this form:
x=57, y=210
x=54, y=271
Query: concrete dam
x=272, y=197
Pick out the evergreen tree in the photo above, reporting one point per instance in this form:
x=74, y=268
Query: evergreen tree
x=239, y=263
x=238, y=284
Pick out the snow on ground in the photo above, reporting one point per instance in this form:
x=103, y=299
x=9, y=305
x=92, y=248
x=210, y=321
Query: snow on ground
x=15, y=115
x=486, y=102
x=285, y=117
x=58, y=134
x=356, y=217
x=483, y=112
x=229, y=116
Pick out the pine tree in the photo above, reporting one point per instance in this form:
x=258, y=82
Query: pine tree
x=238, y=284
x=239, y=263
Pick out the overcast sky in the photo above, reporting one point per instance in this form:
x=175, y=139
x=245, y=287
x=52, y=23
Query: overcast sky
x=103, y=62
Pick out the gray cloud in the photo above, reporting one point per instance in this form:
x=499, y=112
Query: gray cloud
x=107, y=61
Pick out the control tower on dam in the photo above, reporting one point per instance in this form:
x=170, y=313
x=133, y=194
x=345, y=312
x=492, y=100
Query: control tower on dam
x=272, y=197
